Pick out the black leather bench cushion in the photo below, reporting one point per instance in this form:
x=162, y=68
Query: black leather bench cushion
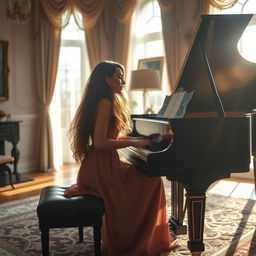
x=53, y=204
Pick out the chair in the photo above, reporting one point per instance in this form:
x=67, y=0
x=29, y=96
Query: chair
x=54, y=210
x=4, y=161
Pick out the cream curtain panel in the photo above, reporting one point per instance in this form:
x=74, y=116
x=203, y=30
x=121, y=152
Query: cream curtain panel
x=109, y=38
x=47, y=45
x=179, y=20
x=178, y=31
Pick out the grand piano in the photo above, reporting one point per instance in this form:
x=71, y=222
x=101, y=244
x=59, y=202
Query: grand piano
x=216, y=137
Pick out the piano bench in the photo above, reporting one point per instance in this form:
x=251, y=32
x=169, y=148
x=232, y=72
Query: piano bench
x=54, y=210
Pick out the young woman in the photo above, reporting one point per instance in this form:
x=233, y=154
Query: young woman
x=135, y=221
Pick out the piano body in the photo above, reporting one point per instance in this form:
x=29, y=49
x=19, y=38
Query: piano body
x=214, y=138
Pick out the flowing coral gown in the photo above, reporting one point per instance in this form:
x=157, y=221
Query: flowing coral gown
x=135, y=221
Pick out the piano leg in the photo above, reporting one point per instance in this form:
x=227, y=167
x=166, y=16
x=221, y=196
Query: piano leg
x=195, y=204
x=254, y=171
x=177, y=209
x=196, y=211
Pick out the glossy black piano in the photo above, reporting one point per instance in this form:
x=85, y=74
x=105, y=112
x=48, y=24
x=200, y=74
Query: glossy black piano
x=213, y=139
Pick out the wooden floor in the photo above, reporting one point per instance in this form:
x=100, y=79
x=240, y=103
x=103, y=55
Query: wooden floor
x=67, y=175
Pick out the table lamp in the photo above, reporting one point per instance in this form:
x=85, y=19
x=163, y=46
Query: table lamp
x=145, y=80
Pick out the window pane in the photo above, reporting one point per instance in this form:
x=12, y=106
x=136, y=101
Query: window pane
x=139, y=51
x=147, y=12
x=71, y=31
x=154, y=48
x=70, y=58
x=250, y=7
x=69, y=84
x=248, y=42
x=149, y=18
x=156, y=7
x=154, y=25
x=155, y=101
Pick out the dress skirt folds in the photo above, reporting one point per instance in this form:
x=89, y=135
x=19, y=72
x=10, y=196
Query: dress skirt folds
x=135, y=221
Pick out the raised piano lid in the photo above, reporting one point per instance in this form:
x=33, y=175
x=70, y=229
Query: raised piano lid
x=234, y=77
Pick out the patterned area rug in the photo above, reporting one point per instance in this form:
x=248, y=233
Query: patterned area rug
x=229, y=230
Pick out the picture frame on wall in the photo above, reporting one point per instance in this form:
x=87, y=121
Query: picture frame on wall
x=4, y=71
x=153, y=63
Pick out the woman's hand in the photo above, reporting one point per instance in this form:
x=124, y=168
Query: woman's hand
x=140, y=142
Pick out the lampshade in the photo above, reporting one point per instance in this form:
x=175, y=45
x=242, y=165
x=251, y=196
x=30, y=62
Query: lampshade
x=145, y=79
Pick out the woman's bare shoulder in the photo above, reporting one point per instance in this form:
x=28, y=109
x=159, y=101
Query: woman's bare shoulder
x=104, y=101
x=104, y=104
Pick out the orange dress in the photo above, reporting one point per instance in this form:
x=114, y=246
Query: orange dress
x=135, y=221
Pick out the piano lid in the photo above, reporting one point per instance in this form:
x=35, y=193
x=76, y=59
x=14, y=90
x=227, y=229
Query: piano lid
x=234, y=78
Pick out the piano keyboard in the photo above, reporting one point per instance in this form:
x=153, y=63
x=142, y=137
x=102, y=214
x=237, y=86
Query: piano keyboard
x=140, y=152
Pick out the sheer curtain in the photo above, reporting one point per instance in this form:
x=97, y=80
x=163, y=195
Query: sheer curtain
x=109, y=38
x=180, y=19
x=73, y=72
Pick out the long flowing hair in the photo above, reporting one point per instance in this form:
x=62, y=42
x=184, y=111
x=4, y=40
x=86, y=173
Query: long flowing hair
x=82, y=126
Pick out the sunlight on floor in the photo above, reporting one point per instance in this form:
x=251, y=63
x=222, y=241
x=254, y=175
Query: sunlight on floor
x=234, y=189
x=64, y=177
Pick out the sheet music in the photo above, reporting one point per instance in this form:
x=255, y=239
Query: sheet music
x=175, y=105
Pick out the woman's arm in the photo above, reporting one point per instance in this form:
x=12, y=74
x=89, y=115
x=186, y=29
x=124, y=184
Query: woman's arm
x=129, y=138
x=100, y=140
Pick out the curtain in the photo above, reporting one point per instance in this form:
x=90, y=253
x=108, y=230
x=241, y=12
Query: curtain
x=109, y=38
x=223, y=4
x=47, y=45
x=179, y=20
x=90, y=10
x=106, y=24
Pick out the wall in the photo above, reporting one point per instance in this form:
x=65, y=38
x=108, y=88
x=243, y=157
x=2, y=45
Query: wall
x=22, y=103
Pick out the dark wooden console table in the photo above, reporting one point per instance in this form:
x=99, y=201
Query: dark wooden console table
x=10, y=131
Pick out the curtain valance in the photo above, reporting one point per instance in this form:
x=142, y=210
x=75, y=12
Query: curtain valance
x=167, y=5
x=89, y=11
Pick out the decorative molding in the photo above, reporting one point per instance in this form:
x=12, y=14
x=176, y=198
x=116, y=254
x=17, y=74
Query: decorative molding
x=25, y=117
x=27, y=167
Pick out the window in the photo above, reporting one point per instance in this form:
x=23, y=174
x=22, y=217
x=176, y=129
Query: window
x=147, y=42
x=72, y=73
x=246, y=45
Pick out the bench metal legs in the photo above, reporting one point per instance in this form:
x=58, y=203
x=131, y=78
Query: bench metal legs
x=97, y=240
x=96, y=236
x=45, y=241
